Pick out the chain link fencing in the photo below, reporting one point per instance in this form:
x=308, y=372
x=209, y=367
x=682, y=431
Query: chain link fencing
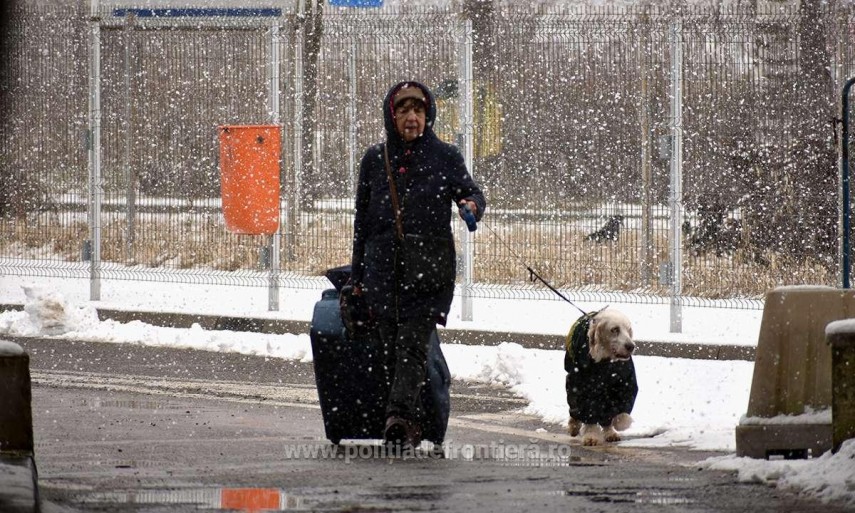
x=572, y=139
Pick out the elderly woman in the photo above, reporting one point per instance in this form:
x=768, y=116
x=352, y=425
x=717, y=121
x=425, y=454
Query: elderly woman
x=403, y=250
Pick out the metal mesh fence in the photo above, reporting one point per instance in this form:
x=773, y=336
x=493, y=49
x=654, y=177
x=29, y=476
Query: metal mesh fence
x=164, y=93
x=572, y=125
x=42, y=136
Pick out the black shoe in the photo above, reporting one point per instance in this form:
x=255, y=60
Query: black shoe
x=395, y=433
x=401, y=432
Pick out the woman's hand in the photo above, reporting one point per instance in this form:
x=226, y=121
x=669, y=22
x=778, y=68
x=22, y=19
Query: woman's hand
x=472, y=207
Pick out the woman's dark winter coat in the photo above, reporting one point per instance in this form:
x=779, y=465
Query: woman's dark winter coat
x=431, y=178
x=596, y=391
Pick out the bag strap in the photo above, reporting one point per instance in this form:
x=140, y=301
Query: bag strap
x=393, y=189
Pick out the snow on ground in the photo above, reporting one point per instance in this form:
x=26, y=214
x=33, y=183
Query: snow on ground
x=688, y=403
x=829, y=477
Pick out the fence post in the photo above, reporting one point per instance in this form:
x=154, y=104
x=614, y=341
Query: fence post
x=676, y=189
x=646, y=250
x=293, y=193
x=273, y=108
x=351, y=131
x=95, y=186
x=465, y=81
x=131, y=199
x=845, y=208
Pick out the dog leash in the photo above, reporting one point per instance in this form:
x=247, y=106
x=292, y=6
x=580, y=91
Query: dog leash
x=534, y=276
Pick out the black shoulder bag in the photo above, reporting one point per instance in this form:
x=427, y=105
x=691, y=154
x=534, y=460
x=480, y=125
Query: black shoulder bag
x=425, y=263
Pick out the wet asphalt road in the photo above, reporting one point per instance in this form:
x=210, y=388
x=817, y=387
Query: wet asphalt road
x=133, y=429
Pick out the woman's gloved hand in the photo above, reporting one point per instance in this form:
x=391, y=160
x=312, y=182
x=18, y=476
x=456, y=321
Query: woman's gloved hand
x=355, y=314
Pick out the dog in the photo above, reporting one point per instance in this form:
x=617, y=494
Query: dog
x=609, y=231
x=601, y=384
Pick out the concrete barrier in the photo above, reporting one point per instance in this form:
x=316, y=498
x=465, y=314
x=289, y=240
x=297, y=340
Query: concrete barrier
x=841, y=339
x=790, y=401
x=16, y=415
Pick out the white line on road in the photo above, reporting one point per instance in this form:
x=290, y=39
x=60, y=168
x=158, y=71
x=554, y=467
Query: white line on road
x=285, y=394
x=293, y=395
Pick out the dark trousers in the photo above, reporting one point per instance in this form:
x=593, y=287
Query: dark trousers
x=406, y=343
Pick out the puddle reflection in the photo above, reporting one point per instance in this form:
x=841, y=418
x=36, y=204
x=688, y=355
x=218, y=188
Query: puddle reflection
x=232, y=499
x=655, y=497
x=125, y=404
x=662, y=498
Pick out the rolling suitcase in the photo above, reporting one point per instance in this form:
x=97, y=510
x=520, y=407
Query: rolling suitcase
x=353, y=386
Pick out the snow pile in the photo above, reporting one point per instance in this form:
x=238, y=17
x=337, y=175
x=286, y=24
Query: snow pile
x=290, y=347
x=10, y=348
x=831, y=477
x=810, y=416
x=47, y=313
x=681, y=402
x=534, y=374
x=841, y=327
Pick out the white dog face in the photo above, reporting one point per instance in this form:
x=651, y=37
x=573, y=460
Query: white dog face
x=610, y=336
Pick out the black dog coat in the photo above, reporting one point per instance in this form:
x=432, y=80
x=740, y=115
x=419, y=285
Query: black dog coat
x=596, y=391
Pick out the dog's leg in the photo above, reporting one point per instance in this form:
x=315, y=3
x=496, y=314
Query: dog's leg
x=592, y=434
x=610, y=435
x=622, y=421
x=574, y=426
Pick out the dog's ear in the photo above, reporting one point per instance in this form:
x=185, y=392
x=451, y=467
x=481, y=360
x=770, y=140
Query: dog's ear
x=594, y=338
x=592, y=333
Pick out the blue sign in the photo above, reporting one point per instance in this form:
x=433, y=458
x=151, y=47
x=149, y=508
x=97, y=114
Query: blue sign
x=199, y=12
x=356, y=3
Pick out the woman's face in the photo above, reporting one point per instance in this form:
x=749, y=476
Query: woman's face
x=410, y=119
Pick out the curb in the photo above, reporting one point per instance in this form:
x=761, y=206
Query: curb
x=19, y=491
x=694, y=351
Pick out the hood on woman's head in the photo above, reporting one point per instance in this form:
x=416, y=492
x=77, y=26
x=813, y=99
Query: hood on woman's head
x=407, y=91
x=403, y=91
